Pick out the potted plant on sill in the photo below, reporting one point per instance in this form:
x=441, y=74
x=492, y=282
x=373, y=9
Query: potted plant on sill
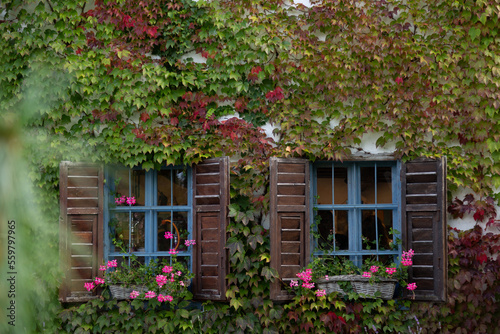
x=372, y=280
x=162, y=280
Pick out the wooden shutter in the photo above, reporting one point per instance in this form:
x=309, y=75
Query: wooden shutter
x=424, y=226
x=211, y=198
x=80, y=228
x=289, y=215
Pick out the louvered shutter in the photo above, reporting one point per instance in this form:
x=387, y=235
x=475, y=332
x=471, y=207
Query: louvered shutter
x=289, y=215
x=211, y=198
x=424, y=226
x=80, y=228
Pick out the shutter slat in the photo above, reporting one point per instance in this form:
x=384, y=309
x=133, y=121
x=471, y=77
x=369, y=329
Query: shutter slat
x=81, y=228
x=289, y=221
x=424, y=230
x=211, y=198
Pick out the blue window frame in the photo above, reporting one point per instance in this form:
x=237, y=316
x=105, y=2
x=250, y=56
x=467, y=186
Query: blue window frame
x=357, y=210
x=162, y=204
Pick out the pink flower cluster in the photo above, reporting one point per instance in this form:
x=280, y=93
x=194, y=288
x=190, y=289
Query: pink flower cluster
x=167, y=269
x=412, y=286
x=122, y=200
x=98, y=280
x=111, y=264
x=150, y=294
x=134, y=294
x=406, y=258
x=306, y=276
x=374, y=269
x=173, y=252
x=390, y=271
x=189, y=243
x=168, y=235
x=161, y=280
x=367, y=274
x=320, y=293
x=294, y=284
x=166, y=298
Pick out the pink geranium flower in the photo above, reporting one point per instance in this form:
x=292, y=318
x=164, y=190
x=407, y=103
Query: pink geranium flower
x=173, y=252
x=168, y=235
x=134, y=294
x=161, y=280
x=320, y=293
x=150, y=294
x=112, y=264
x=367, y=274
x=89, y=286
x=98, y=280
x=412, y=286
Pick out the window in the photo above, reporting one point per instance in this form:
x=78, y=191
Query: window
x=162, y=203
x=359, y=202
x=356, y=210
x=187, y=202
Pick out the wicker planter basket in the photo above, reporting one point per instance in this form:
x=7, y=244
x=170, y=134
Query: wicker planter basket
x=360, y=285
x=122, y=292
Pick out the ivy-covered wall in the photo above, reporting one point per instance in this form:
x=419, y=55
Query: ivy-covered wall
x=113, y=82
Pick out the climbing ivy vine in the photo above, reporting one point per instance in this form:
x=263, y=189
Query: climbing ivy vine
x=148, y=82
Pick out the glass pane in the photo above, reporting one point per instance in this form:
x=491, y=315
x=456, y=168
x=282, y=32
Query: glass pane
x=180, y=186
x=384, y=185
x=324, y=185
x=164, y=225
x=178, y=230
x=341, y=230
x=181, y=225
x=121, y=183
x=324, y=233
x=368, y=229
x=137, y=231
x=119, y=228
x=385, y=239
x=367, y=185
x=164, y=187
x=380, y=227
x=340, y=185
x=138, y=185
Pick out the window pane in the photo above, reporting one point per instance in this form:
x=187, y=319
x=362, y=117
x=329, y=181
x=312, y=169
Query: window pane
x=164, y=187
x=181, y=223
x=122, y=180
x=368, y=229
x=180, y=186
x=384, y=185
x=137, y=228
x=138, y=186
x=119, y=228
x=325, y=231
x=324, y=185
x=164, y=225
x=178, y=230
x=367, y=185
x=341, y=230
x=372, y=227
x=385, y=239
x=340, y=185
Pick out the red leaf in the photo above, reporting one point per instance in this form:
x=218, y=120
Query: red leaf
x=144, y=117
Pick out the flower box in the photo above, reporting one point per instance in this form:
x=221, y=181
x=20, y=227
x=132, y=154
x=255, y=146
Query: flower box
x=361, y=285
x=122, y=292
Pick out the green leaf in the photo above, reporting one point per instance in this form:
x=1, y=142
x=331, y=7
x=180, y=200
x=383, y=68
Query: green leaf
x=474, y=33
